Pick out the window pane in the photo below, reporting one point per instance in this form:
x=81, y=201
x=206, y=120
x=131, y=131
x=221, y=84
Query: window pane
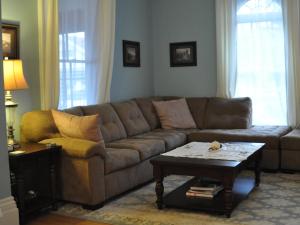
x=72, y=70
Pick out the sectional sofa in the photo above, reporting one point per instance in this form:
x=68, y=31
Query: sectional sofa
x=91, y=174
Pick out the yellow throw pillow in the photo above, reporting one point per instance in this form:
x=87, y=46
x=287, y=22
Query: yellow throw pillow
x=82, y=127
x=174, y=114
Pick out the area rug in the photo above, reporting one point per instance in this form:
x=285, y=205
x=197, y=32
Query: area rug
x=275, y=202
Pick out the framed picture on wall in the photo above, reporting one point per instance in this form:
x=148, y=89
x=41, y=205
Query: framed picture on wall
x=183, y=54
x=10, y=40
x=131, y=53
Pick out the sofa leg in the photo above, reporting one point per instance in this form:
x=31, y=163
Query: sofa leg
x=92, y=207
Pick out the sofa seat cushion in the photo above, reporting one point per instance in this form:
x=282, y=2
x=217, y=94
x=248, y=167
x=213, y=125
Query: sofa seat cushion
x=267, y=134
x=118, y=159
x=172, y=138
x=145, y=147
x=291, y=141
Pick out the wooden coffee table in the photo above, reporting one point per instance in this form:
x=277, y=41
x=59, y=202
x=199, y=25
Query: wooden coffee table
x=235, y=188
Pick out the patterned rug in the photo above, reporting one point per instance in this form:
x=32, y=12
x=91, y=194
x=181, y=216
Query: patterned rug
x=275, y=202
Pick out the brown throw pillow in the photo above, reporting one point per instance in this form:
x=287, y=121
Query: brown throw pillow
x=82, y=127
x=174, y=114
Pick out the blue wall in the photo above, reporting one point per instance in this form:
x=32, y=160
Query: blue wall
x=25, y=12
x=181, y=21
x=4, y=169
x=133, y=22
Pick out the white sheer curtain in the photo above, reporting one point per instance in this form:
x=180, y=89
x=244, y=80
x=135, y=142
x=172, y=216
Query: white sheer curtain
x=291, y=10
x=48, y=53
x=261, y=60
x=86, y=42
x=226, y=47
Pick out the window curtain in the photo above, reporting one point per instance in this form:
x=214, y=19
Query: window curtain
x=86, y=37
x=226, y=47
x=48, y=53
x=291, y=9
x=261, y=60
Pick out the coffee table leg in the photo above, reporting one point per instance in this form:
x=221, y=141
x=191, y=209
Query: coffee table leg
x=228, y=201
x=257, y=168
x=159, y=189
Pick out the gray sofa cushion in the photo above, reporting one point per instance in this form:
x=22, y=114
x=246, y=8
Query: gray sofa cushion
x=148, y=110
x=267, y=134
x=198, y=108
x=146, y=147
x=110, y=124
x=132, y=117
x=118, y=159
x=77, y=110
x=172, y=138
x=235, y=113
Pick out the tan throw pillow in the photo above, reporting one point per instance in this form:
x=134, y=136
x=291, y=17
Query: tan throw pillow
x=82, y=127
x=174, y=114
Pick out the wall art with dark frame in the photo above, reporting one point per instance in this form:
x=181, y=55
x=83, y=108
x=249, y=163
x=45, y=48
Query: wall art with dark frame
x=11, y=39
x=131, y=53
x=183, y=54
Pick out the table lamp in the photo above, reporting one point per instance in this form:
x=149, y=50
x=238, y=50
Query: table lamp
x=13, y=80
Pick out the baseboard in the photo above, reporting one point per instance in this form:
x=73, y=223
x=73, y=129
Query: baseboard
x=9, y=213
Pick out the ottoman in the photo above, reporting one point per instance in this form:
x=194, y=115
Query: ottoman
x=290, y=150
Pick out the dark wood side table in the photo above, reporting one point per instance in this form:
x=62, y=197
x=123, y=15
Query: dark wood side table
x=33, y=175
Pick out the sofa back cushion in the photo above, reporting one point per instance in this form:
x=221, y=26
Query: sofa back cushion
x=37, y=126
x=77, y=111
x=148, y=110
x=235, y=113
x=111, y=127
x=82, y=127
x=132, y=117
x=174, y=114
x=198, y=108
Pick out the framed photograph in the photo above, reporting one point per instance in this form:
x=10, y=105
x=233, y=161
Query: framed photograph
x=10, y=40
x=183, y=54
x=131, y=53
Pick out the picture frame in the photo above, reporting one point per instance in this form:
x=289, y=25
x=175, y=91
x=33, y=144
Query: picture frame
x=131, y=53
x=10, y=40
x=183, y=54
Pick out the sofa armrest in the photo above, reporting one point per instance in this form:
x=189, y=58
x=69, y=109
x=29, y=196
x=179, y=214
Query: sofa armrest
x=78, y=148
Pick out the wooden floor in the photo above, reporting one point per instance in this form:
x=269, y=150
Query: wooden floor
x=51, y=219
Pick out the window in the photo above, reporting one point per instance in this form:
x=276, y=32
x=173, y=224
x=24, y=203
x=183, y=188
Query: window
x=261, y=60
x=72, y=69
x=80, y=52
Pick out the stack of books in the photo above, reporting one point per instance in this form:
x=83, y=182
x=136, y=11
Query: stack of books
x=205, y=188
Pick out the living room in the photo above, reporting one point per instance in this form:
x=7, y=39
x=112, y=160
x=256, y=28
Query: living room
x=154, y=30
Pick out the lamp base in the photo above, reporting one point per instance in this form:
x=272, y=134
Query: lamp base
x=11, y=142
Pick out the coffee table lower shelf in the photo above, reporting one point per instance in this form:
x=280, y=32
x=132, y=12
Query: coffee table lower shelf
x=177, y=198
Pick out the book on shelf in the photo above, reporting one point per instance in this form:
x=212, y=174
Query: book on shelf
x=205, y=189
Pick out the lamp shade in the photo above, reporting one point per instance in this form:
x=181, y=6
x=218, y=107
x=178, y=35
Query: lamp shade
x=13, y=75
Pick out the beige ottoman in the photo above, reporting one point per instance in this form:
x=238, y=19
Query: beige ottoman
x=290, y=150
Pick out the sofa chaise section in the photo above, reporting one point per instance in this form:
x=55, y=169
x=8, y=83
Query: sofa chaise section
x=266, y=134
x=227, y=120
